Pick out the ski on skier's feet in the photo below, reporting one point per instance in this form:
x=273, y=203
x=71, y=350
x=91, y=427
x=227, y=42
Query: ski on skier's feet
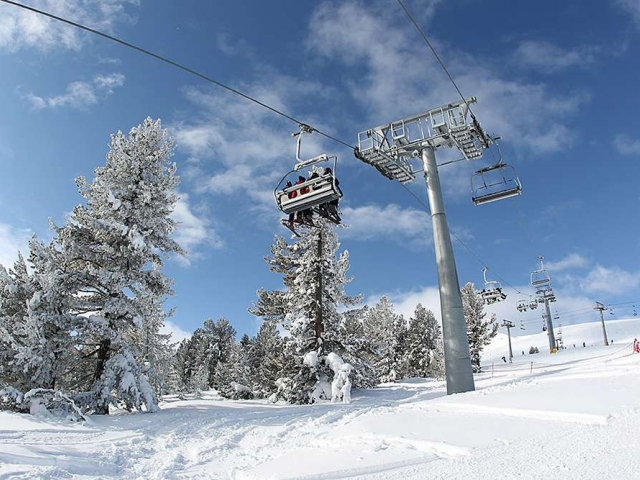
x=290, y=226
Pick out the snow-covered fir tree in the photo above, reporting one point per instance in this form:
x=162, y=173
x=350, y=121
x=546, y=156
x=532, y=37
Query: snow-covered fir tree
x=314, y=281
x=422, y=337
x=16, y=289
x=387, y=331
x=111, y=251
x=480, y=331
x=359, y=348
x=265, y=360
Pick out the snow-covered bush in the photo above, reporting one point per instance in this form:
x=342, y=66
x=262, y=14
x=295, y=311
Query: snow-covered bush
x=41, y=402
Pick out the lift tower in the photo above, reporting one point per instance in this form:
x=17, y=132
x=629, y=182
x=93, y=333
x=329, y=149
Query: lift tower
x=541, y=281
x=390, y=148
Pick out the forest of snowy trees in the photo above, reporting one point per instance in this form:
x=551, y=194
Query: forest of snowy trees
x=80, y=316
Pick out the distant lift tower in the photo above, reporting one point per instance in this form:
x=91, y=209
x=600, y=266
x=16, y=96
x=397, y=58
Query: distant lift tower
x=541, y=281
x=601, y=308
x=390, y=148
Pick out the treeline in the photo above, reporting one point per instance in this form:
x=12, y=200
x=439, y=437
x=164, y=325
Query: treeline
x=80, y=316
x=378, y=344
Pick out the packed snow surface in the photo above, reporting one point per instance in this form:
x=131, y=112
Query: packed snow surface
x=573, y=414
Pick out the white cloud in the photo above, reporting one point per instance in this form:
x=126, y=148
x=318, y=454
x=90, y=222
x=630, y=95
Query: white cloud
x=535, y=114
x=390, y=222
x=546, y=57
x=626, y=145
x=21, y=29
x=12, y=241
x=615, y=281
x=405, y=303
x=80, y=95
x=632, y=7
x=572, y=260
x=177, y=333
x=192, y=231
x=238, y=147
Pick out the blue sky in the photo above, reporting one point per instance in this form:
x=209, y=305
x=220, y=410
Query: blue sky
x=557, y=81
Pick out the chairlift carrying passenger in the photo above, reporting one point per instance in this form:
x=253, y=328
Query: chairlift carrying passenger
x=492, y=291
x=311, y=194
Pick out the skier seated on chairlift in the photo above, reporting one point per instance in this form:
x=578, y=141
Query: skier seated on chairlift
x=330, y=208
x=292, y=194
x=303, y=215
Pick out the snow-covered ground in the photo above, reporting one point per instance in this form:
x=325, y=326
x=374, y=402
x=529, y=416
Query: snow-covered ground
x=574, y=414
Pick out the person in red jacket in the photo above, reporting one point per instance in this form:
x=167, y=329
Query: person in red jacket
x=304, y=214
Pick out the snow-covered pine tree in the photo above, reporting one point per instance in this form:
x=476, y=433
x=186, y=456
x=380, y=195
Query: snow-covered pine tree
x=479, y=331
x=422, y=338
x=386, y=331
x=179, y=382
x=16, y=289
x=112, y=249
x=314, y=283
x=227, y=359
x=265, y=360
x=359, y=348
x=436, y=364
x=156, y=352
x=48, y=350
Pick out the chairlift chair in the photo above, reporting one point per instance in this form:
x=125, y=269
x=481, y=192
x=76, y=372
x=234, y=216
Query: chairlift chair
x=522, y=325
x=492, y=291
x=522, y=305
x=493, y=183
x=540, y=278
x=314, y=191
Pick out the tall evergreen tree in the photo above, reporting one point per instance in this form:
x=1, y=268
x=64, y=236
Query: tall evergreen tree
x=359, y=348
x=479, y=330
x=111, y=250
x=314, y=281
x=16, y=289
x=387, y=331
x=422, y=338
x=265, y=360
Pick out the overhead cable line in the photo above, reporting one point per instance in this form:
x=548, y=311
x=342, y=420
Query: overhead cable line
x=424, y=37
x=174, y=64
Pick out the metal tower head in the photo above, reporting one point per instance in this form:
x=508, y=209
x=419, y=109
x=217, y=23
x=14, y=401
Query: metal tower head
x=391, y=147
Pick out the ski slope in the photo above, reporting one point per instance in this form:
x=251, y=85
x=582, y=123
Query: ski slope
x=574, y=414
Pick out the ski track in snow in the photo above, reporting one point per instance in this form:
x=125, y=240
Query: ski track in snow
x=577, y=416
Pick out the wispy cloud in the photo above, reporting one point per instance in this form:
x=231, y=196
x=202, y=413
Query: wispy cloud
x=12, y=241
x=235, y=146
x=626, y=145
x=631, y=7
x=546, y=57
x=80, y=95
x=535, y=114
x=177, y=333
x=571, y=261
x=192, y=231
x=390, y=222
x=612, y=280
x=20, y=29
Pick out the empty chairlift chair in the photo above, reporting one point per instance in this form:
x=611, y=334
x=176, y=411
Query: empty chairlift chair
x=493, y=183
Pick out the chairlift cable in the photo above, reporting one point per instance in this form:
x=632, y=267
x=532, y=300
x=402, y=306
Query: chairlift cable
x=435, y=53
x=174, y=64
